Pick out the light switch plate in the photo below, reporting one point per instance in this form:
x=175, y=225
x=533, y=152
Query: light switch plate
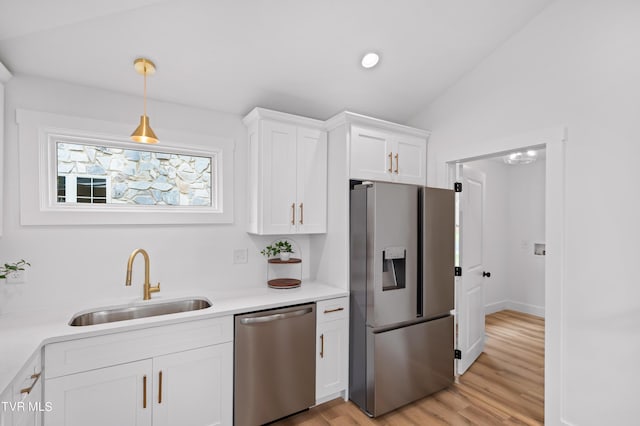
x=16, y=277
x=240, y=255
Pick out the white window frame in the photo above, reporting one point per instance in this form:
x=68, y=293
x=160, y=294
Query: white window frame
x=39, y=134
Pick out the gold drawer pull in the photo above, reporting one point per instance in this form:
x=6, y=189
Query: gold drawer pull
x=301, y=214
x=328, y=311
x=35, y=378
x=293, y=213
x=397, y=162
x=390, y=162
x=322, y=346
x=160, y=388
x=144, y=391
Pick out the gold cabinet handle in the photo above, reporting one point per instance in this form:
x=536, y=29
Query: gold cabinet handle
x=397, y=162
x=390, y=161
x=144, y=391
x=322, y=346
x=293, y=213
x=35, y=378
x=328, y=311
x=160, y=387
x=301, y=214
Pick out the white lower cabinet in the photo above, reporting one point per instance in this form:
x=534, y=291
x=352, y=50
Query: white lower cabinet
x=194, y=388
x=176, y=382
x=332, y=355
x=103, y=397
x=6, y=415
x=22, y=401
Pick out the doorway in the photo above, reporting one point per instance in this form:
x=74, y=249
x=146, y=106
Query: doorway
x=553, y=139
x=502, y=248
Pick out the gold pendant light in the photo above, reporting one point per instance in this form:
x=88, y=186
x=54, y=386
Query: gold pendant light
x=143, y=132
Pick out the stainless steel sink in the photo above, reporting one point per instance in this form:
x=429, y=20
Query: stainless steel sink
x=124, y=313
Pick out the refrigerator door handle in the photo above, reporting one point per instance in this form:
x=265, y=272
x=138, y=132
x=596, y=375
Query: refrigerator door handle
x=384, y=329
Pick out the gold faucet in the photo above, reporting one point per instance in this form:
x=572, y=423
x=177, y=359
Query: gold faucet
x=148, y=288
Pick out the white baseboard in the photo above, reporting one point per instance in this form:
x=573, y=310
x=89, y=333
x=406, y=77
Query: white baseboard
x=526, y=308
x=342, y=394
x=514, y=306
x=494, y=307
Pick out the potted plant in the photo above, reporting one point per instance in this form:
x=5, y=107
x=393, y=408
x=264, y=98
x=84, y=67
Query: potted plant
x=8, y=268
x=282, y=248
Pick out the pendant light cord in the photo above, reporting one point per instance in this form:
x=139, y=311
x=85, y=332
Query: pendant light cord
x=144, y=98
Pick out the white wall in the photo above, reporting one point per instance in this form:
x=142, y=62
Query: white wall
x=514, y=222
x=84, y=266
x=526, y=208
x=576, y=64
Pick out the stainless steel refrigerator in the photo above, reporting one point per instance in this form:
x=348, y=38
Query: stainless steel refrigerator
x=402, y=292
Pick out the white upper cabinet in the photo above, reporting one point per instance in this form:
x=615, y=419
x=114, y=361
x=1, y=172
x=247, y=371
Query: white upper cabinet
x=371, y=154
x=383, y=151
x=287, y=184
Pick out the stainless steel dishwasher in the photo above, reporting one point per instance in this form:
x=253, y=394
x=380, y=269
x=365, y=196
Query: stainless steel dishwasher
x=275, y=364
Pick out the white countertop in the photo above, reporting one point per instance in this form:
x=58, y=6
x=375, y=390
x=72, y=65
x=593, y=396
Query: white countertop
x=21, y=335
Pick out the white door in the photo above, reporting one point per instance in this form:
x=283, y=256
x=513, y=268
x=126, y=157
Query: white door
x=470, y=294
x=194, y=388
x=103, y=397
x=311, y=213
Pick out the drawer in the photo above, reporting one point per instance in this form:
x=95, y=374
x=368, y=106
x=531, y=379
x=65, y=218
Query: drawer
x=332, y=309
x=101, y=351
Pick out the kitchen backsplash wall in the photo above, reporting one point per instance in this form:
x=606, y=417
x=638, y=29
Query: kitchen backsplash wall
x=84, y=266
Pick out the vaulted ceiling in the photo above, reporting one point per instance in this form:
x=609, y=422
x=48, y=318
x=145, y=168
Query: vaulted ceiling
x=299, y=56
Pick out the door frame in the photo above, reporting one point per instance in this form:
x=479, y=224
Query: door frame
x=555, y=141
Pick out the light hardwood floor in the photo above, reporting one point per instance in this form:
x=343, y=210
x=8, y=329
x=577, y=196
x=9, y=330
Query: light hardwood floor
x=504, y=386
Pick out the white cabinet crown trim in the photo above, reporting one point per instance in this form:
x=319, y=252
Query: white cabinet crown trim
x=347, y=117
x=282, y=117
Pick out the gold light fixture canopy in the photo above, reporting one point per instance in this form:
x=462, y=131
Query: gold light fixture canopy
x=144, y=133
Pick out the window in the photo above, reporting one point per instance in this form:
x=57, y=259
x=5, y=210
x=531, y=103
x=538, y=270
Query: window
x=78, y=171
x=91, y=190
x=132, y=176
x=83, y=189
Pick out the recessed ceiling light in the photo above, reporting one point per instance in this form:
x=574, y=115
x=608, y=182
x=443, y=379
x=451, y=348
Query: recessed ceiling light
x=370, y=60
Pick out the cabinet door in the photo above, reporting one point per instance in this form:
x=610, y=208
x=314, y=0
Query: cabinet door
x=331, y=359
x=103, y=397
x=31, y=413
x=196, y=387
x=312, y=181
x=6, y=415
x=279, y=174
x=410, y=160
x=370, y=150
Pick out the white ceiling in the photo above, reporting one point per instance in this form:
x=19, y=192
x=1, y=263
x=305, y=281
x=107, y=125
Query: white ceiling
x=299, y=56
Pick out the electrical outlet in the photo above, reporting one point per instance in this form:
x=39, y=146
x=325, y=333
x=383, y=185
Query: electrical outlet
x=240, y=255
x=16, y=277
